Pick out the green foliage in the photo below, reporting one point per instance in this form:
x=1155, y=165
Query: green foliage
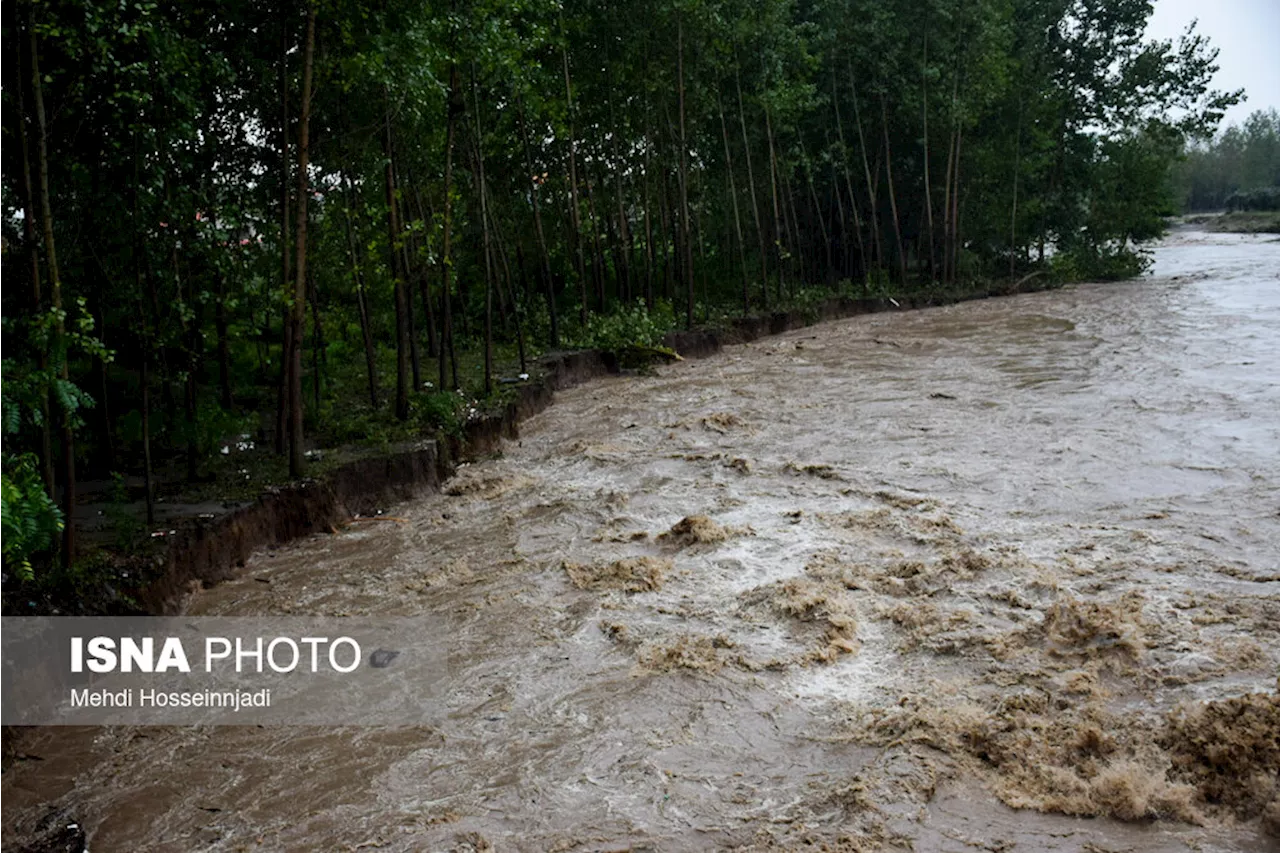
x=1238, y=167
x=1266, y=198
x=1093, y=263
x=445, y=411
x=31, y=521
x=628, y=326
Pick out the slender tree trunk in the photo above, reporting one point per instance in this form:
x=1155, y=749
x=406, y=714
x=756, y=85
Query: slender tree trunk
x=396, y=258
x=893, y=198
x=817, y=212
x=300, y=263
x=286, y=282
x=626, y=245
x=846, y=252
x=488, y=244
x=544, y=256
x=575, y=225
x=928, y=183
x=778, y=227
x=948, y=271
x=955, y=217
x=144, y=370
x=501, y=250
x=1013, y=213
x=848, y=175
x=794, y=239
x=32, y=252
x=406, y=268
x=366, y=333
x=55, y=292
x=684, y=178
x=649, y=260
x=455, y=109
x=597, y=257
x=874, y=215
x=751, y=186
x=737, y=216
x=424, y=283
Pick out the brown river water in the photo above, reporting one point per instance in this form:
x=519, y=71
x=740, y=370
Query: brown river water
x=970, y=578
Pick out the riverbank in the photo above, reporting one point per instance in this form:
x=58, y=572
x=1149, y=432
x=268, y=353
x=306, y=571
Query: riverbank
x=1237, y=222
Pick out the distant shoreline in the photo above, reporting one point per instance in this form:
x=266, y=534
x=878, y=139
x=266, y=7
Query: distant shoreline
x=1238, y=222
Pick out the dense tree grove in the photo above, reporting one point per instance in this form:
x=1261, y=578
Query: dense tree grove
x=1237, y=170
x=294, y=222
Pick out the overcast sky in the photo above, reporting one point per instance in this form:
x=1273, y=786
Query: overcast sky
x=1247, y=32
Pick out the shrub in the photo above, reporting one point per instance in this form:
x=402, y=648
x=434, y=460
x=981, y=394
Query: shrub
x=30, y=519
x=630, y=326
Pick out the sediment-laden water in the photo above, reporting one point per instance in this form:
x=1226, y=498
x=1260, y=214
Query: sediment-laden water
x=995, y=576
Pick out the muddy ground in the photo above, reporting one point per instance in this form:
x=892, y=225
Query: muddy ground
x=998, y=576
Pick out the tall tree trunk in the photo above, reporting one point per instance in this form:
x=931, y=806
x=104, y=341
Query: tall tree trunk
x=32, y=252
x=848, y=175
x=846, y=251
x=488, y=244
x=955, y=217
x=893, y=198
x=455, y=109
x=626, y=246
x=575, y=223
x=817, y=212
x=544, y=256
x=366, y=333
x=649, y=260
x=396, y=258
x=684, y=178
x=751, y=186
x=948, y=271
x=424, y=282
x=874, y=215
x=55, y=293
x=1013, y=213
x=928, y=184
x=737, y=216
x=300, y=262
x=778, y=227
x=793, y=226
x=597, y=256
x=415, y=358
x=501, y=250
x=286, y=282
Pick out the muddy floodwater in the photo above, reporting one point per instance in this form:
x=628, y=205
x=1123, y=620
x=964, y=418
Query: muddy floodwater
x=996, y=576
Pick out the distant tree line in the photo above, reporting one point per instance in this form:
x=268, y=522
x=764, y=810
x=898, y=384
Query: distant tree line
x=1237, y=170
x=308, y=219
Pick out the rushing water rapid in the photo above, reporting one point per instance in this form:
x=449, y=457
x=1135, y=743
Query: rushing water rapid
x=869, y=584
